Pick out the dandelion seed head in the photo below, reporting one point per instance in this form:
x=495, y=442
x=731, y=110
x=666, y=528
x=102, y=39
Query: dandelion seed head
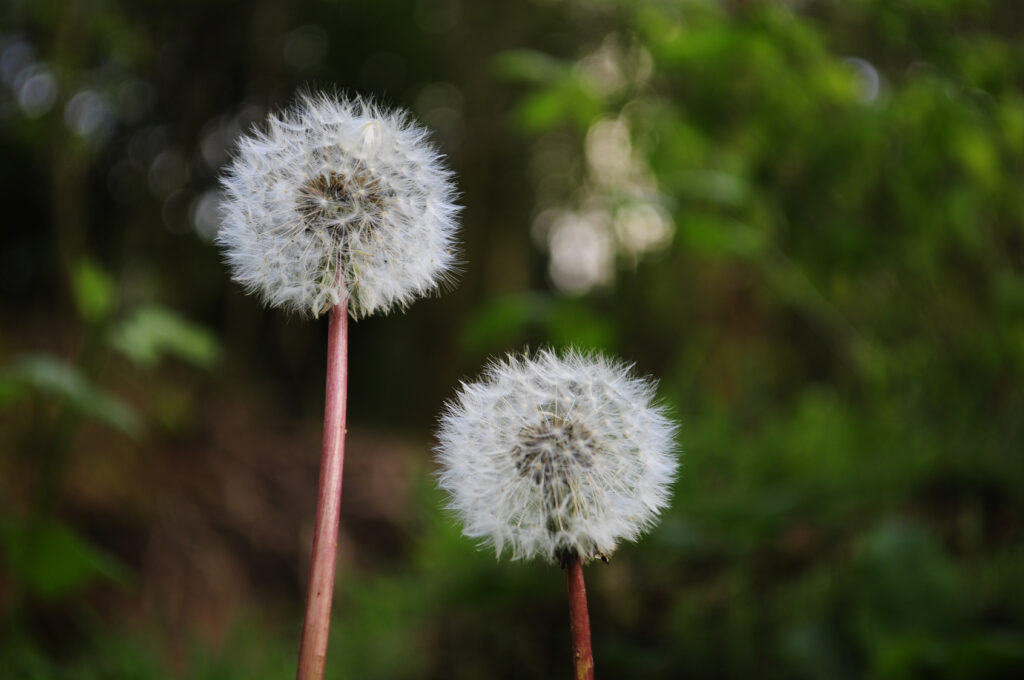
x=338, y=198
x=556, y=457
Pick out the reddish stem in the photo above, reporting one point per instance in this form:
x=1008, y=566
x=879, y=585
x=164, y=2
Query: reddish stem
x=315, y=629
x=579, y=620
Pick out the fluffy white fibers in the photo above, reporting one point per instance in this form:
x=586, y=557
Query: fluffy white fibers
x=338, y=198
x=556, y=457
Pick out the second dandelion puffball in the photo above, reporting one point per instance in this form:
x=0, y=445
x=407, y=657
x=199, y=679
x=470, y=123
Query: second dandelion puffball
x=556, y=458
x=338, y=199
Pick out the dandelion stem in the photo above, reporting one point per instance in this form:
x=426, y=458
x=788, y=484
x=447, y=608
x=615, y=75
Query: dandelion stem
x=315, y=629
x=579, y=621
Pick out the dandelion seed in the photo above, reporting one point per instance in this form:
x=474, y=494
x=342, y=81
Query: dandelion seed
x=334, y=200
x=342, y=206
x=556, y=458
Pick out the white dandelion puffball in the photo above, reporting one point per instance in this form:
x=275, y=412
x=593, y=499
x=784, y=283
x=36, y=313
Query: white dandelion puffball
x=337, y=198
x=556, y=458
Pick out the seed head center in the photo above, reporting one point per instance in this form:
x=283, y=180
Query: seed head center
x=336, y=198
x=551, y=452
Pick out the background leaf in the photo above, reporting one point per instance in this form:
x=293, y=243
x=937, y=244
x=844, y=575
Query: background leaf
x=55, y=378
x=153, y=333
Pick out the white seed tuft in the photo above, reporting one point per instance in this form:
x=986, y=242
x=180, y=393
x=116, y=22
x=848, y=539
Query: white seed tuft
x=337, y=198
x=536, y=459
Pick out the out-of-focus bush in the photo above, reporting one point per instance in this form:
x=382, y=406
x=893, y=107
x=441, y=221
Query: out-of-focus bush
x=804, y=217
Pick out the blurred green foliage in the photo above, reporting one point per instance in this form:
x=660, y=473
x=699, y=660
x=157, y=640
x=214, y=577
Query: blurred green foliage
x=805, y=218
x=94, y=292
x=153, y=332
x=46, y=562
x=49, y=376
x=51, y=561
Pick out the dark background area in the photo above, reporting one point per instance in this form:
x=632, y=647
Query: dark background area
x=803, y=217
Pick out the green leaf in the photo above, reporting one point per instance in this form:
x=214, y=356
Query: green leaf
x=569, y=101
x=719, y=236
x=52, y=376
x=155, y=332
x=571, y=323
x=530, y=66
x=561, y=322
x=502, y=321
x=94, y=291
x=904, y=583
x=51, y=561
